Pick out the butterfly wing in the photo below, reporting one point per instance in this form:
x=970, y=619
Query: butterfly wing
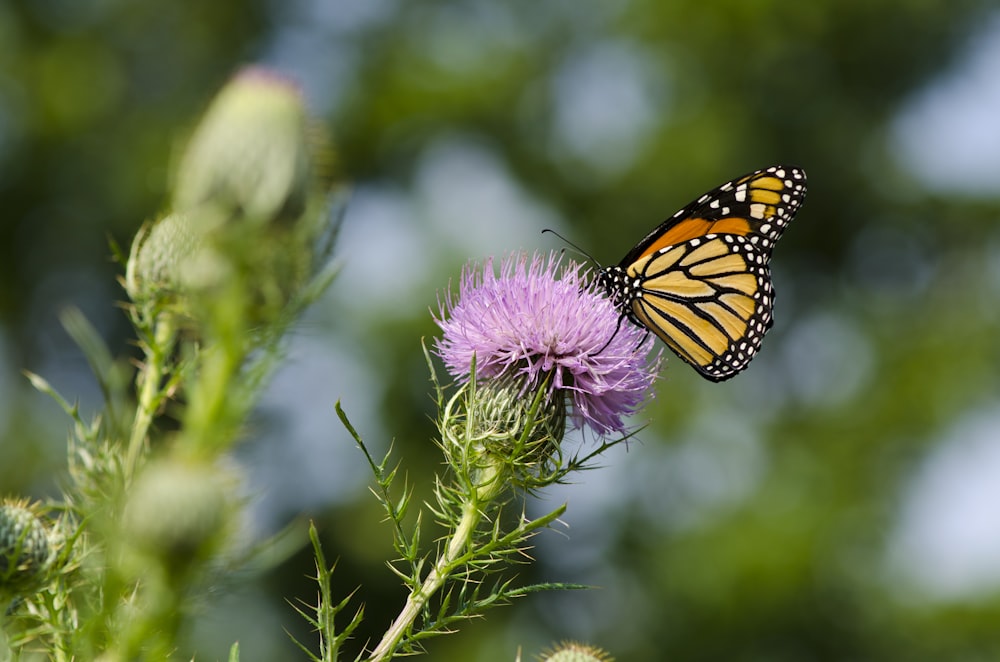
x=708, y=299
x=700, y=281
x=760, y=204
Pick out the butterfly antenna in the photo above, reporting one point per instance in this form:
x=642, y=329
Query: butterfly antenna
x=573, y=246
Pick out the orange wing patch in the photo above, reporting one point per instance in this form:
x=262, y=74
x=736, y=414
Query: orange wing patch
x=692, y=228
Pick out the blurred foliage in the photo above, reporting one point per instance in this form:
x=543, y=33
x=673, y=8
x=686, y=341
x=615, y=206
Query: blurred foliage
x=886, y=312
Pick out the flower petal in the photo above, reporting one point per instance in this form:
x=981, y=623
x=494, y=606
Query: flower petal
x=537, y=317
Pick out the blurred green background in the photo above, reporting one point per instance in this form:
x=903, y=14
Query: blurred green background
x=838, y=501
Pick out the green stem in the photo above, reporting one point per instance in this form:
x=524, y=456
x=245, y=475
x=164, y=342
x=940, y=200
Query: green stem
x=216, y=406
x=58, y=619
x=149, y=393
x=444, y=566
x=213, y=416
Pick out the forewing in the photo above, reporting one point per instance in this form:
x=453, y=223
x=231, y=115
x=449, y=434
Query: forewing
x=758, y=206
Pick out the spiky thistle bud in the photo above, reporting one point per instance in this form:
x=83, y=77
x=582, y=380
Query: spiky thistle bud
x=25, y=549
x=571, y=651
x=500, y=435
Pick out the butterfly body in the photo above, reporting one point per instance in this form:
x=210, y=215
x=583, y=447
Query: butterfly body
x=701, y=281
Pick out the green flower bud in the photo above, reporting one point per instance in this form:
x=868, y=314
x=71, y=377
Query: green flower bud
x=25, y=549
x=573, y=652
x=251, y=153
x=510, y=423
x=159, y=256
x=176, y=511
x=504, y=435
x=250, y=221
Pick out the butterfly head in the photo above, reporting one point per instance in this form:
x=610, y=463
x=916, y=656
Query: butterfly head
x=614, y=282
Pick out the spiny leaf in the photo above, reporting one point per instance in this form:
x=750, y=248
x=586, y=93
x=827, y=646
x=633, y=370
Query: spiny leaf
x=402, y=542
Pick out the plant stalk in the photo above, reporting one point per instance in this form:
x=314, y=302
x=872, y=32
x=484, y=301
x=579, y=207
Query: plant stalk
x=151, y=377
x=417, y=599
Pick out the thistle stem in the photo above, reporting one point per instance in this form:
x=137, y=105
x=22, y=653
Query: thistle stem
x=150, y=379
x=436, y=578
x=213, y=416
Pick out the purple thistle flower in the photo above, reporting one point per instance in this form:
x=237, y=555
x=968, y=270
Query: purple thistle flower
x=538, y=318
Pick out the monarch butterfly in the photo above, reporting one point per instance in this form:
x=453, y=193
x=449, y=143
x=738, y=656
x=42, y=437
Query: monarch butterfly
x=700, y=280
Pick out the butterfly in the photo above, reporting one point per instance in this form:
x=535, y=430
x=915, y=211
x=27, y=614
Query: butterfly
x=700, y=280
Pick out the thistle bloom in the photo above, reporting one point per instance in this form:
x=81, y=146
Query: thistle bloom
x=538, y=320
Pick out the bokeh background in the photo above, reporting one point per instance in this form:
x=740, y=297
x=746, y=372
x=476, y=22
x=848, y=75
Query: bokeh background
x=840, y=500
